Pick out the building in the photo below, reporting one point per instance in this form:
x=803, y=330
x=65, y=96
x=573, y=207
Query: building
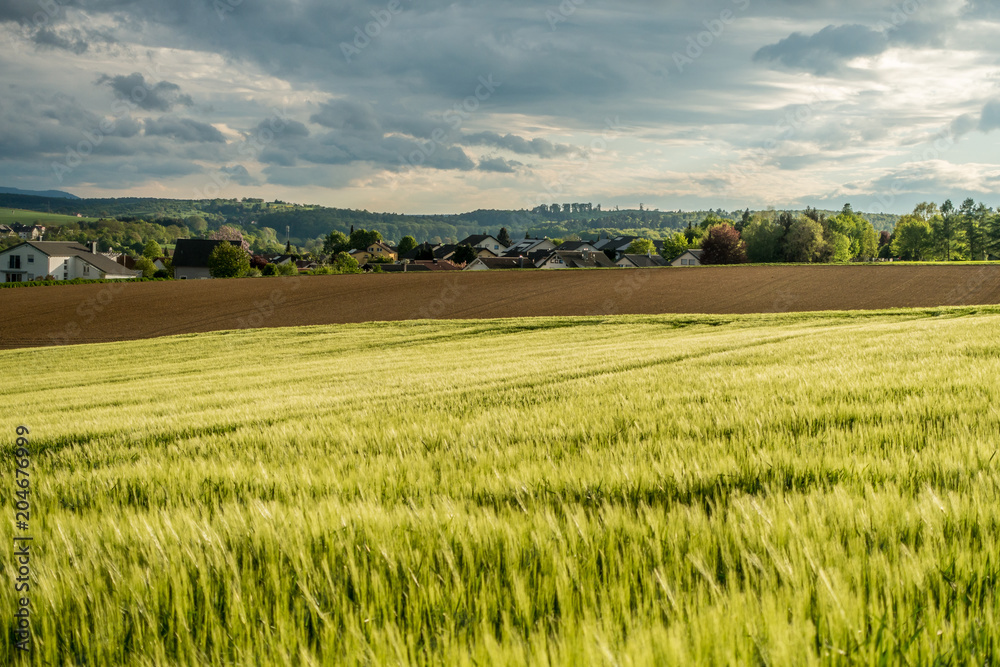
x=640, y=261
x=28, y=232
x=191, y=257
x=499, y=263
x=37, y=260
x=576, y=260
x=377, y=249
x=527, y=246
x=577, y=246
x=688, y=258
x=485, y=242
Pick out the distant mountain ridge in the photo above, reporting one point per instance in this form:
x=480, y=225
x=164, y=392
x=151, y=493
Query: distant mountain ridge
x=52, y=194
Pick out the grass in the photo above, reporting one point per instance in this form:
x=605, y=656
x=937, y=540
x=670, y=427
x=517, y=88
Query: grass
x=9, y=216
x=774, y=489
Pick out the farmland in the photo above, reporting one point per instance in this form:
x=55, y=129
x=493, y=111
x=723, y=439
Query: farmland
x=99, y=313
x=777, y=489
x=9, y=216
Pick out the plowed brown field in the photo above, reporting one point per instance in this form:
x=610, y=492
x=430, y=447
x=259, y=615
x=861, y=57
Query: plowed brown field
x=31, y=317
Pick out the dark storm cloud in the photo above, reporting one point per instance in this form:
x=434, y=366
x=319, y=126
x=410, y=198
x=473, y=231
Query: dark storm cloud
x=162, y=96
x=183, y=129
x=50, y=38
x=825, y=51
x=516, y=144
x=990, y=120
x=238, y=174
x=499, y=165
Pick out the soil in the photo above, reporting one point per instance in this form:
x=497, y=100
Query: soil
x=70, y=314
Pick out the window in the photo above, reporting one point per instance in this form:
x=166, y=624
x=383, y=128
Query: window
x=15, y=261
x=86, y=269
x=31, y=259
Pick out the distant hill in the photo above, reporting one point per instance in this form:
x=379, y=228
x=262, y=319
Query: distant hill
x=53, y=194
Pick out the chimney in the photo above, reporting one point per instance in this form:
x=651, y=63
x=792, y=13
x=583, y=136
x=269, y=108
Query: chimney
x=93, y=247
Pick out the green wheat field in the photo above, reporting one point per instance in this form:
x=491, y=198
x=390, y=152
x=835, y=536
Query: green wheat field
x=774, y=490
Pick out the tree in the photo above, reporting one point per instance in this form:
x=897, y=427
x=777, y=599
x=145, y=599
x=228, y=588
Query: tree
x=336, y=242
x=258, y=262
x=152, y=250
x=674, y=245
x=912, y=239
x=723, y=245
x=361, y=239
x=145, y=264
x=945, y=230
x=344, y=263
x=838, y=247
x=974, y=224
x=269, y=270
x=229, y=233
x=641, y=247
x=862, y=240
x=406, y=244
x=804, y=240
x=287, y=269
x=228, y=261
x=763, y=236
x=464, y=254
x=504, y=238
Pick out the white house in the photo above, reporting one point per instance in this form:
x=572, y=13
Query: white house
x=527, y=246
x=689, y=258
x=35, y=260
x=485, y=242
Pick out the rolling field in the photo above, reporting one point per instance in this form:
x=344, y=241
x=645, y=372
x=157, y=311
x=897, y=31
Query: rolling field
x=9, y=216
x=777, y=489
x=58, y=315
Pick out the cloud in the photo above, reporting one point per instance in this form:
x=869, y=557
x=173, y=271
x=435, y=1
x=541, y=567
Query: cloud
x=51, y=39
x=990, y=119
x=134, y=88
x=183, y=129
x=238, y=174
x=516, y=144
x=827, y=50
x=354, y=117
x=499, y=165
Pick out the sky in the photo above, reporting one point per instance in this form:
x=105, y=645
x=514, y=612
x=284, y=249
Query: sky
x=434, y=106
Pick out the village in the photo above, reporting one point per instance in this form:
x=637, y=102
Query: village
x=38, y=260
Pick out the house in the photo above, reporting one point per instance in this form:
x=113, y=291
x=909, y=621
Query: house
x=526, y=246
x=28, y=232
x=427, y=252
x=616, y=247
x=7, y=231
x=499, y=263
x=576, y=246
x=304, y=265
x=688, y=258
x=121, y=258
x=377, y=249
x=418, y=265
x=191, y=257
x=485, y=242
x=575, y=260
x=640, y=261
x=34, y=260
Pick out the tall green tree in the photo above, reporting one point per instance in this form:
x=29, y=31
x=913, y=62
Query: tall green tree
x=504, y=237
x=675, y=244
x=228, y=261
x=152, y=250
x=912, y=239
x=361, y=239
x=946, y=232
x=406, y=244
x=804, y=241
x=763, y=236
x=641, y=247
x=336, y=242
